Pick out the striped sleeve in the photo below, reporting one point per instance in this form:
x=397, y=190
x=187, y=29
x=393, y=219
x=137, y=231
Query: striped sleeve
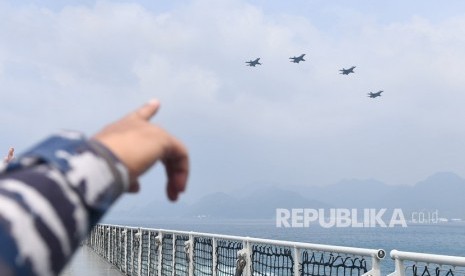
x=50, y=197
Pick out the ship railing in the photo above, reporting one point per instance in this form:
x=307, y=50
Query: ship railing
x=145, y=251
x=421, y=264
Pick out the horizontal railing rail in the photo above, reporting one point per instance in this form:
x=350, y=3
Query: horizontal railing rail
x=413, y=263
x=145, y=251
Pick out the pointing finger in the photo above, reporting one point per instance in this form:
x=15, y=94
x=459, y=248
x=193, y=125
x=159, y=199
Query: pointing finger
x=147, y=110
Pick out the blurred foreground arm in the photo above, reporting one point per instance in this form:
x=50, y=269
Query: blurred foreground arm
x=53, y=194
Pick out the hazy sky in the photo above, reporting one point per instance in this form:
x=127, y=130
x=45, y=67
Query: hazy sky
x=80, y=64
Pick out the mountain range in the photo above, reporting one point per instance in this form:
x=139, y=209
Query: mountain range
x=442, y=192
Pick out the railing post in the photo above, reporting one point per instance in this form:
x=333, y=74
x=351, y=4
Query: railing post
x=118, y=251
x=115, y=247
x=107, y=235
x=99, y=240
x=244, y=260
x=110, y=245
x=399, y=268
x=149, y=253
x=174, y=254
x=376, y=268
x=96, y=239
x=132, y=252
x=128, y=251
x=214, y=257
x=159, y=238
x=102, y=241
x=139, y=259
x=297, y=261
x=376, y=264
x=248, y=271
x=113, y=244
x=190, y=252
x=121, y=248
x=125, y=262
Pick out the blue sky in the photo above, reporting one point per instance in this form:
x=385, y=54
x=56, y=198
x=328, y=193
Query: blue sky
x=80, y=64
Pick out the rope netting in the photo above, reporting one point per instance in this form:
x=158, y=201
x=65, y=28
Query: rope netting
x=167, y=255
x=144, y=258
x=431, y=270
x=331, y=264
x=114, y=245
x=203, y=256
x=128, y=254
x=136, y=235
x=119, y=247
x=271, y=260
x=181, y=262
x=226, y=254
x=153, y=267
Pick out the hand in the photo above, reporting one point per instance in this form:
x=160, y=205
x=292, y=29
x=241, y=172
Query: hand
x=140, y=144
x=10, y=156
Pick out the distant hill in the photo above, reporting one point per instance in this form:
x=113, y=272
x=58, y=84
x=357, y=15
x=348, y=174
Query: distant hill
x=352, y=193
x=215, y=205
x=261, y=203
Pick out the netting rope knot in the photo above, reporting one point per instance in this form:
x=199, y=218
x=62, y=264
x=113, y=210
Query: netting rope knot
x=241, y=261
x=136, y=240
x=158, y=240
x=187, y=246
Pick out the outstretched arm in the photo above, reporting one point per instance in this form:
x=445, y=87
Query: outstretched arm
x=53, y=194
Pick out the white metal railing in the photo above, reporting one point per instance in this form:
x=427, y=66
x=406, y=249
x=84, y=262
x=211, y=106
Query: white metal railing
x=413, y=263
x=144, y=251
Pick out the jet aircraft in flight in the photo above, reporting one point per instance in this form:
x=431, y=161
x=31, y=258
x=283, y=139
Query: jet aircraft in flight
x=298, y=59
x=252, y=63
x=376, y=94
x=347, y=71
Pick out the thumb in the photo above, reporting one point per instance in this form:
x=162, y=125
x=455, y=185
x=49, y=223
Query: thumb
x=146, y=111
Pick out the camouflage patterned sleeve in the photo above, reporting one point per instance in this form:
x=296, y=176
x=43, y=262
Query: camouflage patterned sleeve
x=50, y=197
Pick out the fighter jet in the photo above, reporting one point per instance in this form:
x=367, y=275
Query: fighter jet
x=252, y=63
x=298, y=59
x=376, y=94
x=347, y=71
